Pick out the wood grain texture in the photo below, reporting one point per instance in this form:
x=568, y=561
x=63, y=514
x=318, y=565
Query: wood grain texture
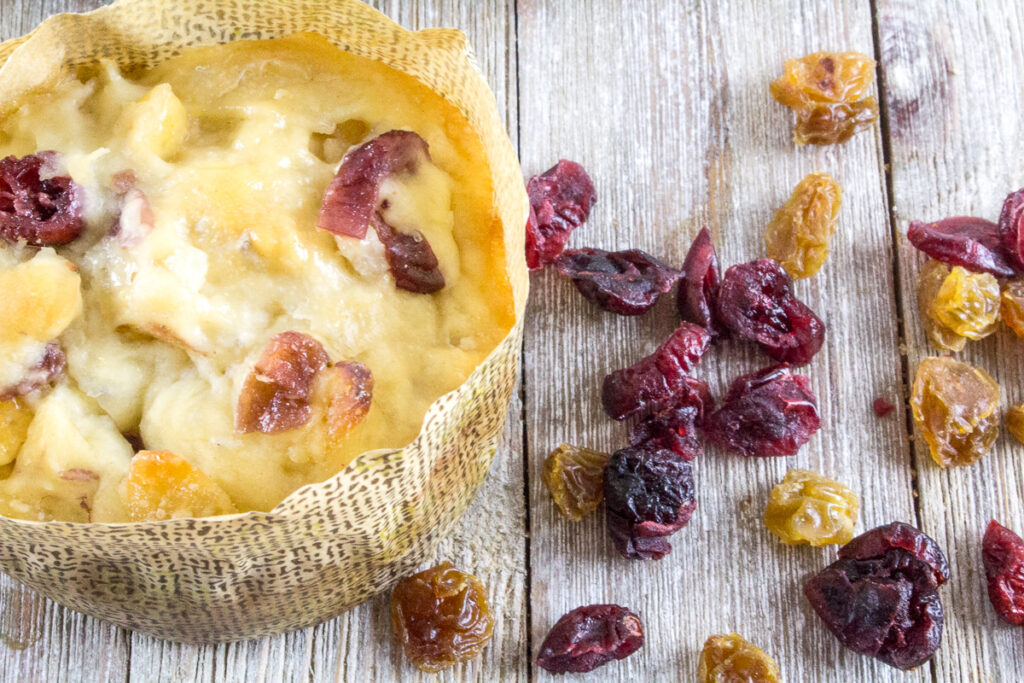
x=956, y=122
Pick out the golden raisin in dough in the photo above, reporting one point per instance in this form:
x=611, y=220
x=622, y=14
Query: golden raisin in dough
x=805, y=507
x=1012, y=306
x=15, y=417
x=933, y=275
x=732, y=659
x=348, y=389
x=956, y=410
x=798, y=236
x=40, y=298
x=162, y=485
x=574, y=475
x=967, y=303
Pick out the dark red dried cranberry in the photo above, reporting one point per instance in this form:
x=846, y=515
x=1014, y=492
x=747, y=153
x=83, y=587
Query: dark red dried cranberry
x=560, y=201
x=1011, y=228
x=698, y=290
x=47, y=369
x=589, y=637
x=1002, y=552
x=42, y=212
x=651, y=383
x=675, y=427
x=756, y=302
x=768, y=413
x=882, y=406
x=410, y=259
x=974, y=243
x=623, y=282
x=648, y=493
x=878, y=541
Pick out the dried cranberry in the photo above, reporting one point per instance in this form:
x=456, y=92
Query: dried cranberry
x=768, y=413
x=1002, y=552
x=756, y=302
x=881, y=599
x=623, y=282
x=48, y=368
x=560, y=201
x=1011, y=228
x=410, y=259
x=648, y=493
x=675, y=427
x=589, y=637
x=43, y=212
x=651, y=383
x=974, y=243
x=882, y=406
x=698, y=290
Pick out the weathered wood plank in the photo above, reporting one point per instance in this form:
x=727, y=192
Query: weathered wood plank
x=667, y=105
x=956, y=120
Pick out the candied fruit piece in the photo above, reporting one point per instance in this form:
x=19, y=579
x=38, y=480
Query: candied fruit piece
x=42, y=212
x=878, y=541
x=441, y=616
x=623, y=282
x=956, y=409
x=973, y=243
x=651, y=382
x=649, y=494
x=882, y=406
x=161, y=485
x=756, y=302
x=1011, y=227
x=574, y=475
x=349, y=392
x=798, y=236
x=1002, y=552
x=933, y=274
x=698, y=290
x=1015, y=422
x=560, y=201
x=15, y=417
x=675, y=427
x=276, y=394
x=967, y=304
x=768, y=413
x=589, y=637
x=805, y=507
x=47, y=369
x=1011, y=307
x=733, y=659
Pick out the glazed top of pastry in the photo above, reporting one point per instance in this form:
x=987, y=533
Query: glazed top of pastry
x=225, y=277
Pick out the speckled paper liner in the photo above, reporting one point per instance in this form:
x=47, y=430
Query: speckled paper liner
x=328, y=546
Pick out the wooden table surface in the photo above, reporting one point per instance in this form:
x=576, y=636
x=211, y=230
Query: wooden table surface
x=666, y=103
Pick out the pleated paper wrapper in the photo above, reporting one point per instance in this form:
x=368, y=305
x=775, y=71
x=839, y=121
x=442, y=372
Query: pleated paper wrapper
x=328, y=546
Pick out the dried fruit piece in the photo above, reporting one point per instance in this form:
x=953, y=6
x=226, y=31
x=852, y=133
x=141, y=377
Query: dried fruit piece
x=805, y=507
x=161, y=485
x=930, y=280
x=756, y=302
x=15, y=417
x=589, y=637
x=966, y=304
x=650, y=383
x=798, y=236
x=276, y=394
x=831, y=124
x=40, y=298
x=768, y=413
x=1012, y=306
x=675, y=427
x=956, y=409
x=882, y=406
x=698, y=290
x=42, y=212
x=411, y=260
x=881, y=599
x=623, y=282
x=349, y=392
x=1011, y=227
x=574, y=475
x=1015, y=422
x=47, y=369
x=1002, y=552
x=441, y=616
x=973, y=243
x=732, y=659
x=648, y=494
x=560, y=201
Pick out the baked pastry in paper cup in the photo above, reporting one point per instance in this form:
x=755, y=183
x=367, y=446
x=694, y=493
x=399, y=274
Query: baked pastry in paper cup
x=263, y=296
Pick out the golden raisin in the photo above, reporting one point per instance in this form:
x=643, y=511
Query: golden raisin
x=732, y=659
x=956, y=409
x=162, y=485
x=440, y=616
x=1015, y=422
x=799, y=234
x=15, y=417
x=833, y=124
x=574, y=476
x=967, y=303
x=1012, y=306
x=930, y=280
x=805, y=507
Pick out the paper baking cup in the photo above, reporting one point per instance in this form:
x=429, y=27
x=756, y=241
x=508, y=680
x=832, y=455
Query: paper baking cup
x=328, y=546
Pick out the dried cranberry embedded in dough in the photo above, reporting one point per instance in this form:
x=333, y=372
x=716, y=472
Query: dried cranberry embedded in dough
x=1002, y=552
x=623, y=282
x=589, y=637
x=411, y=260
x=1011, y=227
x=560, y=202
x=41, y=211
x=47, y=369
x=698, y=290
x=974, y=243
x=349, y=387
